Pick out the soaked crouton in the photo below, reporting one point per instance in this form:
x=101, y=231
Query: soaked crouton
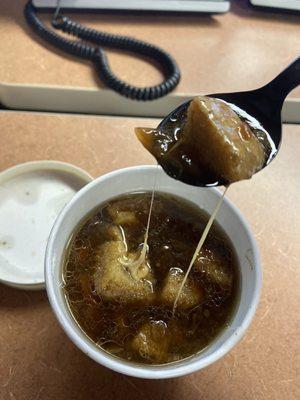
x=152, y=341
x=107, y=232
x=125, y=218
x=121, y=217
x=225, y=143
x=191, y=295
x=138, y=270
x=114, y=233
x=113, y=281
x=214, y=267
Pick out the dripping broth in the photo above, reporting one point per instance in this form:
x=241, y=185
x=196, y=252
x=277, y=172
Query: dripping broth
x=144, y=330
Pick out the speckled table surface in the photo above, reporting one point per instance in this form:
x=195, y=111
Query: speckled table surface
x=240, y=50
x=38, y=361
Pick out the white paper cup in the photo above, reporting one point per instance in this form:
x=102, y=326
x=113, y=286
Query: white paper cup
x=140, y=179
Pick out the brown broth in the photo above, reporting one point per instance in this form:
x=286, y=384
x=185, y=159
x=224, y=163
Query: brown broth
x=176, y=226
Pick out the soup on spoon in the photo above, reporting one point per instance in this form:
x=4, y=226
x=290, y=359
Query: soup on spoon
x=212, y=143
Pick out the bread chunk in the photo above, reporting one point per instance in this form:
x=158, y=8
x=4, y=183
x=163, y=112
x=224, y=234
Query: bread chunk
x=215, y=269
x=191, y=295
x=225, y=144
x=113, y=281
x=152, y=341
x=114, y=233
x=122, y=217
x=105, y=231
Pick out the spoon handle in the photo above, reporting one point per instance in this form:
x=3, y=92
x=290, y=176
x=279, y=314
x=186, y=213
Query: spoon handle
x=285, y=82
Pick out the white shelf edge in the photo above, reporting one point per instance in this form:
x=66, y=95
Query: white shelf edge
x=103, y=102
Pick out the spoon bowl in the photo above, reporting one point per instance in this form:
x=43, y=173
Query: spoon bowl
x=260, y=108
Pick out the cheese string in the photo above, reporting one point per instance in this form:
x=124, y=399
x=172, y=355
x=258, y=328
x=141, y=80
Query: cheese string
x=198, y=248
x=142, y=257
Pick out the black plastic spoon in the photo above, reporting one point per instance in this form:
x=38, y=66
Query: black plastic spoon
x=263, y=106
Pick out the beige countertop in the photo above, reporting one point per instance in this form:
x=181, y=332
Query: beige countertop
x=38, y=361
x=240, y=50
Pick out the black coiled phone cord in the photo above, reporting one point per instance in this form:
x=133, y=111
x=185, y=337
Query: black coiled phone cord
x=98, y=56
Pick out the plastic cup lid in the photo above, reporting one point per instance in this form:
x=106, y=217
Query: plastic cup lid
x=31, y=197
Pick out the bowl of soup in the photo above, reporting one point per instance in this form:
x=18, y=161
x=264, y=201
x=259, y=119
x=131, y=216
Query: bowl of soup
x=123, y=314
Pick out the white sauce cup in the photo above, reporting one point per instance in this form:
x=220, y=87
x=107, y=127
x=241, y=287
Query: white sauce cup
x=141, y=179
